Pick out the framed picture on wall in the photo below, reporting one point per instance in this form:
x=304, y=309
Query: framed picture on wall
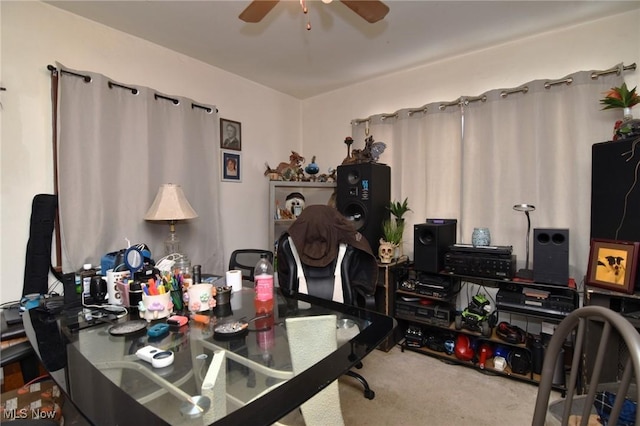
x=613, y=264
x=230, y=134
x=231, y=167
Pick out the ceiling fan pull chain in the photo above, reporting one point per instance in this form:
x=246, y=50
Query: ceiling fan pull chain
x=305, y=10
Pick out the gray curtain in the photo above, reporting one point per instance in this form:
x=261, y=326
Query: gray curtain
x=475, y=158
x=115, y=149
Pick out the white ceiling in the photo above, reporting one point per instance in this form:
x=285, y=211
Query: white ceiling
x=341, y=48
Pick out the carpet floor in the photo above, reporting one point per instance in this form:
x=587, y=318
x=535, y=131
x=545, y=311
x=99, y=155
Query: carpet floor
x=415, y=389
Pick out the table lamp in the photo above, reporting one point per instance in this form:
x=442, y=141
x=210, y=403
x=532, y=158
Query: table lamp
x=170, y=205
x=526, y=273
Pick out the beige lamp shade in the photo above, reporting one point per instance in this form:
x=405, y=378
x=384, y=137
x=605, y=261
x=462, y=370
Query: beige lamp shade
x=170, y=204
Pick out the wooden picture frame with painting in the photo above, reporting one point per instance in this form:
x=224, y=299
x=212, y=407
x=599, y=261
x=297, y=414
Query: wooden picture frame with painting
x=231, y=167
x=230, y=134
x=613, y=264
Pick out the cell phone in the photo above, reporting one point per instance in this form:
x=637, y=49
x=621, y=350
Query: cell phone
x=178, y=320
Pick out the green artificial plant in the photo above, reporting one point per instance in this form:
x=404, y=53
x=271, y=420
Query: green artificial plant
x=398, y=209
x=392, y=231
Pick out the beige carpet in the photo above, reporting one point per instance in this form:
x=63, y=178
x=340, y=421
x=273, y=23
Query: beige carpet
x=415, y=389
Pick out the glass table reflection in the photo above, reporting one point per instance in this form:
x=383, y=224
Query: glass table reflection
x=246, y=378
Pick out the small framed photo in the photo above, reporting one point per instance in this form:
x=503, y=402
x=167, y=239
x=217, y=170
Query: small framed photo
x=613, y=264
x=230, y=134
x=231, y=167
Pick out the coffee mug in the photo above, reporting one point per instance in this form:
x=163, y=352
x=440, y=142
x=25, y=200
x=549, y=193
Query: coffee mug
x=115, y=296
x=200, y=297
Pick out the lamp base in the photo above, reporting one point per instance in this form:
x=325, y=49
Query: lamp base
x=172, y=244
x=525, y=274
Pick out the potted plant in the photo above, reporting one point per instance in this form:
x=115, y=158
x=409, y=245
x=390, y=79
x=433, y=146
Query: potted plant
x=398, y=209
x=621, y=97
x=392, y=231
x=625, y=99
x=391, y=240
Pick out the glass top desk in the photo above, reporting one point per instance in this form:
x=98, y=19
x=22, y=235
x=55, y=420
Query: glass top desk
x=252, y=372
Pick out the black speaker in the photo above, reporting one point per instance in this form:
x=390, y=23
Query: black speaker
x=615, y=206
x=364, y=194
x=430, y=243
x=551, y=256
x=537, y=355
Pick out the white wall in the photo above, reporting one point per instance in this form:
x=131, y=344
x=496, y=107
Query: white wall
x=597, y=45
x=34, y=34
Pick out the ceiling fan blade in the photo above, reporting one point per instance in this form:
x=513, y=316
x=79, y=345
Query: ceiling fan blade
x=371, y=11
x=257, y=10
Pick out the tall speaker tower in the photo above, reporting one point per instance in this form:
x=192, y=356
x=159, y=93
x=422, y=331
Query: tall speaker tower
x=364, y=193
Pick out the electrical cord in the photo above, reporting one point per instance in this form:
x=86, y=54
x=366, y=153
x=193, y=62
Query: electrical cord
x=106, y=307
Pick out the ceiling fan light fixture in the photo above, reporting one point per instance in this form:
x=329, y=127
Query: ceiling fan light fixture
x=370, y=10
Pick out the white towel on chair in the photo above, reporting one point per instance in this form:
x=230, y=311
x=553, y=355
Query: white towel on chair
x=310, y=340
x=338, y=296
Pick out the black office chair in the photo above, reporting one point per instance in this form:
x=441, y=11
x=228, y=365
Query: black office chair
x=245, y=260
x=322, y=227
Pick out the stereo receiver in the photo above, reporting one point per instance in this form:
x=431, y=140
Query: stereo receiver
x=435, y=314
x=502, y=266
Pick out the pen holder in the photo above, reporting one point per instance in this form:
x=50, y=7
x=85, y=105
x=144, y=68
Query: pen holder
x=156, y=307
x=200, y=297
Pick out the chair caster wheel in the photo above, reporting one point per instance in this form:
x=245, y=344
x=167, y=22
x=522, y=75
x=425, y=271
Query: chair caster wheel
x=369, y=394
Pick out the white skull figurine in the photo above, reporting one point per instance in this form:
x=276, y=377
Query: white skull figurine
x=385, y=251
x=295, y=203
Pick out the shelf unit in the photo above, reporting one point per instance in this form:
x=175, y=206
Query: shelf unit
x=385, y=296
x=313, y=192
x=435, y=327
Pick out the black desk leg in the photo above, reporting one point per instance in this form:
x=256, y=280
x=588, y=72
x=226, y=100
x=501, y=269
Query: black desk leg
x=30, y=367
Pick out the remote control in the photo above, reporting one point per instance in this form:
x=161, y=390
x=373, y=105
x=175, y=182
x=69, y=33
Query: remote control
x=154, y=356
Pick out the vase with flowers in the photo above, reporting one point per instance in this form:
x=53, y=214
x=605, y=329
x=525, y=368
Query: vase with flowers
x=625, y=99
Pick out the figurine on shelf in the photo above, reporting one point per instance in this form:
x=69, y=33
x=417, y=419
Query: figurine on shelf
x=312, y=168
x=272, y=174
x=287, y=171
x=348, y=141
x=369, y=154
x=295, y=203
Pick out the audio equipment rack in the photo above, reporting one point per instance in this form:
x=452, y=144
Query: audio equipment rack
x=426, y=305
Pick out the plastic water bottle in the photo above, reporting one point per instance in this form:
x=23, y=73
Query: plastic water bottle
x=263, y=278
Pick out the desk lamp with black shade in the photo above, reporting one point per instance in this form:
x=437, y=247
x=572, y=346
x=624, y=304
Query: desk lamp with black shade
x=526, y=273
x=170, y=205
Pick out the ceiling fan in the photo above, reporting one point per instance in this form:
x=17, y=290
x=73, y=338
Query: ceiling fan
x=370, y=10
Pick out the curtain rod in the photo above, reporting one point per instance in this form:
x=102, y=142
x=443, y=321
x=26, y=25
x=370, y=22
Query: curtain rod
x=465, y=100
x=134, y=91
